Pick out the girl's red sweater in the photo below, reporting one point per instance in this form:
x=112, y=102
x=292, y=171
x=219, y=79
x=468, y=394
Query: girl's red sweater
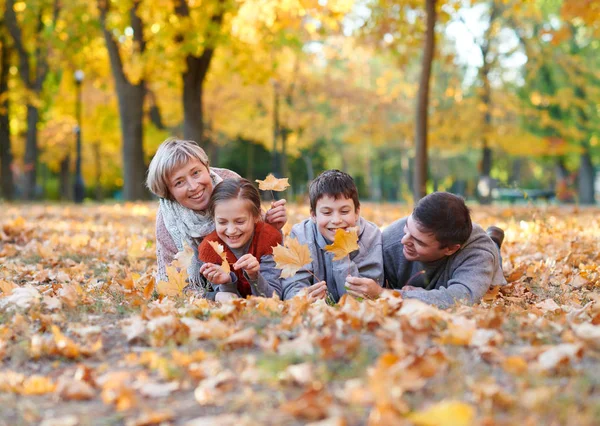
x=264, y=239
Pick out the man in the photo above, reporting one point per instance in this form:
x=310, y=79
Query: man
x=438, y=256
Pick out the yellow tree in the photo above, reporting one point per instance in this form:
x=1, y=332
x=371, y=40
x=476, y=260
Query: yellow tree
x=29, y=25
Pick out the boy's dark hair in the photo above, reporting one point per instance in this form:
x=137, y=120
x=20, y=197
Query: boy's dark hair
x=230, y=189
x=334, y=183
x=446, y=216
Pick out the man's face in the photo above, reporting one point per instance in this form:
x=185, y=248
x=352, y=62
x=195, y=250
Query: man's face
x=422, y=246
x=331, y=214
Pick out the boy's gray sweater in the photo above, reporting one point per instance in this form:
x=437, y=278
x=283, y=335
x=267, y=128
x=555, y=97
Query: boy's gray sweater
x=466, y=275
x=366, y=262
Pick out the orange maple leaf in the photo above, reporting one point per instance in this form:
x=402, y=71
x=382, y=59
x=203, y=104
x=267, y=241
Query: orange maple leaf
x=271, y=183
x=344, y=243
x=221, y=252
x=291, y=257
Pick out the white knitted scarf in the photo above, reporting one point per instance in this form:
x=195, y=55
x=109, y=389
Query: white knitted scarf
x=188, y=226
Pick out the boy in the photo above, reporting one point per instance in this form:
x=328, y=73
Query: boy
x=334, y=204
x=437, y=255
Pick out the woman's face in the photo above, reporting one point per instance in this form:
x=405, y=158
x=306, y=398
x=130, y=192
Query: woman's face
x=191, y=185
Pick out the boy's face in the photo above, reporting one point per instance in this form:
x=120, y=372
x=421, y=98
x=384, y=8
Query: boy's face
x=422, y=246
x=331, y=214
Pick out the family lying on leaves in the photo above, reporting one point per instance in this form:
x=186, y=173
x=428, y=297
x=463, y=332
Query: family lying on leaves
x=436, y=254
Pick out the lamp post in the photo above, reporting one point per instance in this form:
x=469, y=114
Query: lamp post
x=78, y=189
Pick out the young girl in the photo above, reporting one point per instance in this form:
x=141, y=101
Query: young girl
x=247, y=241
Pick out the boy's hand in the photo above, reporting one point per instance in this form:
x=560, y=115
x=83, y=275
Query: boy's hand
x=277, y=214
x=249, y=264
x=410, y=287
x=317, y=291
x=224, y=296
x=363, y=287
x=215, y=274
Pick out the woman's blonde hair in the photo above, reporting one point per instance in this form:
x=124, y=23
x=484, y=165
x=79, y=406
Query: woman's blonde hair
x=171, y=154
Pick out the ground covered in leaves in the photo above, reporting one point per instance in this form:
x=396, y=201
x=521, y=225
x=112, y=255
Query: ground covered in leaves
x=84, y=340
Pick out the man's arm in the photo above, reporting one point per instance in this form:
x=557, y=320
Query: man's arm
x=469, y=282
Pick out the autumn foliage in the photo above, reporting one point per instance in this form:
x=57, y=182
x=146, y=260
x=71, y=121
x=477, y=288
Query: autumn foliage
x=84, y=335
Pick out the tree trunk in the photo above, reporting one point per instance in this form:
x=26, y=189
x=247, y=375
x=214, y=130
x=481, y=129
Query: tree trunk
x=515, y=174
x=131, y=112
x=250, y=162
x=586, y=178
x=31, y=153
x=420, y=177
x=6, y=177
x=193, y=86
x=65, y=179
x=131, y=108
x=194, y=77
x=276, y=130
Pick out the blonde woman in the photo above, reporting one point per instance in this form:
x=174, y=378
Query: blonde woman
x=181, y=176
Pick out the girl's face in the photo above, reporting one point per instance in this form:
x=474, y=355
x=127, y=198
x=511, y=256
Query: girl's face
x=234, y=222
x=191, y=185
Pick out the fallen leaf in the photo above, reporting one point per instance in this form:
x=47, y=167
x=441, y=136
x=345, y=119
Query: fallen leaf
x=271, y=183
x=72, y=389
x=291, y=257
x=445, y=413
x=548, y=305
x=313, y=404
x=183, y=258
x=37, y=385
x=344, y=243
x=176, y=283
x=558, y=355
x=7, y=287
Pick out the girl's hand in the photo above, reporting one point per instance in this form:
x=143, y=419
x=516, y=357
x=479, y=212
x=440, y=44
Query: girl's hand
x=215, y=274
x=249, y=264
x=363, y=287
x=277, y=214
x=224, y=296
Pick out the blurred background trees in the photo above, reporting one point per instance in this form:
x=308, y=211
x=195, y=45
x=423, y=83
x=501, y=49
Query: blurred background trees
x=480, y=97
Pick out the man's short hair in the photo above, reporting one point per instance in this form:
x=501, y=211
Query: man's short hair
x=333, y=183
x=446, y=216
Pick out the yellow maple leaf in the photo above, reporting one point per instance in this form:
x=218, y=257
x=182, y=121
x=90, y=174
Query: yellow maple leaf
x=175, y=285
x=271, y=183
x=344, y=243
x=221, y=252
x=183, y=259
x=445, y=413
x=291, y=257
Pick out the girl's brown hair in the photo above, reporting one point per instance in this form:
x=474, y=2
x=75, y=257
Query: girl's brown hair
x=231, y=189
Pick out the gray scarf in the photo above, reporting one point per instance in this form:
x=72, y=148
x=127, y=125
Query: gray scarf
x=188, y=226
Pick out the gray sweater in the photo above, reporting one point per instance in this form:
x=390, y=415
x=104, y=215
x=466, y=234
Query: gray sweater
x=465, y=275
x=366, y=262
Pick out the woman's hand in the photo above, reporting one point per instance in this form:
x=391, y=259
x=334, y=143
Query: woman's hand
x=363, y=287
x=215, y=274
x=249, y=264
x=277, y=214
x=224, y=296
